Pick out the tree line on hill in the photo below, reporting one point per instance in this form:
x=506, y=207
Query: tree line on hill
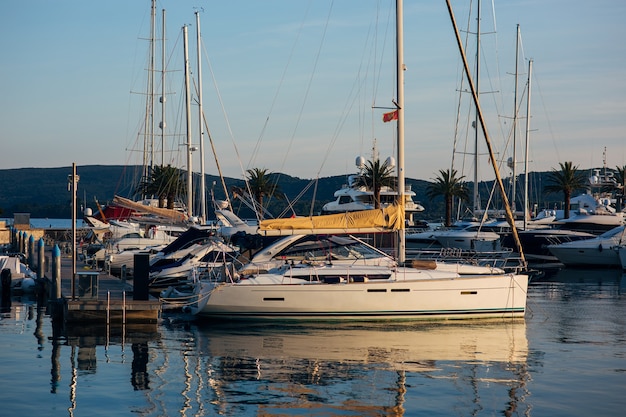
x=44, y=192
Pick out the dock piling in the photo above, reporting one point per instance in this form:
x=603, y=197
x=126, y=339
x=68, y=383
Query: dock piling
x=56, y=274
x=141, y=276
x=41, y=258
x=32, y=259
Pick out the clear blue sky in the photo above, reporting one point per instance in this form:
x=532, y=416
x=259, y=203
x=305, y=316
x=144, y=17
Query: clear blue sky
x=298, y=79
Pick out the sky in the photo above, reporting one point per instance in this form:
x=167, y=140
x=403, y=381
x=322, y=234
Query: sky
x=300, y=87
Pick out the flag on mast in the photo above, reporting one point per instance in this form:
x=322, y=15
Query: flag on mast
x=392, y=115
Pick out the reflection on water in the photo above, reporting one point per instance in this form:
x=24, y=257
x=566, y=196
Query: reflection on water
x=609, y=276
x=583, y=283
x=187, y=368
x=365, y=369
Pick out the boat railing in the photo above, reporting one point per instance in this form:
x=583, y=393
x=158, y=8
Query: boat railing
x=504, y=259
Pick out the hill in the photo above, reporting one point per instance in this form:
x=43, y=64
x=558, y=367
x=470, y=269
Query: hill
x=44, y=192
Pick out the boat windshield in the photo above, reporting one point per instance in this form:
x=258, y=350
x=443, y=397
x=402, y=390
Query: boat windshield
x=321, y=248
x=613, y=232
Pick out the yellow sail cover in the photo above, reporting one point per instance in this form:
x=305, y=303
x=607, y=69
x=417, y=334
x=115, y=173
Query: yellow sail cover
x=169, y=214
x=365, y=221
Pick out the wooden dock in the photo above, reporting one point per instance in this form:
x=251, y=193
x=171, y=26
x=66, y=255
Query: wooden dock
x=101, y=299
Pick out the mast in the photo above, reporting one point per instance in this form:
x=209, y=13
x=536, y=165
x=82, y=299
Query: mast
x=201, y=125
x=74, y=183
x=400, y=105
x=162, y=124
x=530, y=69
x=476, y=198
x=148, y=136
x=494, y=163
x=188, y=114
x=515, y=115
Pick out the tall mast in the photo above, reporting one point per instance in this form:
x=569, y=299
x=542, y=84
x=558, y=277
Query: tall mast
x=515, y=115
x=148, y=136
x=188, y=114
x=162, y=124
x=152, y=92
x=201, y=125
x=530, y=69
x=476, y=198
x=400, y=105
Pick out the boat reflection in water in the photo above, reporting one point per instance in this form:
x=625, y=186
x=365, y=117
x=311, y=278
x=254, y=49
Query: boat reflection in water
x=367, y=369
x=186, y=368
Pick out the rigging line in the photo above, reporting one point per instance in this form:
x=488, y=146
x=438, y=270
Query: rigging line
x=291, y=203
x=211, y=142
x=308, y=89
x=498, y=104
x=537, y=86
x=460, y=89
x=314, y=197
x=377, y=75
x=458, y=117
x=349, y=104
x=288, y=208
x=352, y=99
x=224, y=113
x=306, y=94
x=280, y=84
x=360, y=114
x=275, y=99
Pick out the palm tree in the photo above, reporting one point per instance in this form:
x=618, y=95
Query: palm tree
x=566, y=180
x=448, y=185
x=260, y=185
x=166, y=183
x=375, y=176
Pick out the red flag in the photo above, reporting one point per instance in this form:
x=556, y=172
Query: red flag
x=392, y=115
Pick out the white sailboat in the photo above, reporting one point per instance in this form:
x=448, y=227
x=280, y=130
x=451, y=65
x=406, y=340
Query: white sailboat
x=328, y=290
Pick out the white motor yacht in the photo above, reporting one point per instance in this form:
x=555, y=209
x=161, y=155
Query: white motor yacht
x=355, y=197
x=600, y=250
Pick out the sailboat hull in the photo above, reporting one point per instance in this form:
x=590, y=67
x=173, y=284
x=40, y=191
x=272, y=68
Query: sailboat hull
x=406, y=295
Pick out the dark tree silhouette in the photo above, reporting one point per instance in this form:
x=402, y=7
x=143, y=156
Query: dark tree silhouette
x=375, y=176
x=448, y=185
x=566, y=180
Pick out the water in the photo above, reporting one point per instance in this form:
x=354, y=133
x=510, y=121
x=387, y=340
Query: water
x=567, y=358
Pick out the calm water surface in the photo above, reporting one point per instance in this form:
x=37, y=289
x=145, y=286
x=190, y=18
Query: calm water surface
x=567, y=358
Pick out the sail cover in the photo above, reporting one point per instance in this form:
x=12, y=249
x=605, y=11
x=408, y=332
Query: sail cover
x=172, y=215
x=364, y=221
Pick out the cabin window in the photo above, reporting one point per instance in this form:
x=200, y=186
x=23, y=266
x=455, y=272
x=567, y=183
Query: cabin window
x=345, y=199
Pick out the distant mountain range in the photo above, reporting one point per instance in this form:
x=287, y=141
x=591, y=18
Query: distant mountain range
x=44, y=192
